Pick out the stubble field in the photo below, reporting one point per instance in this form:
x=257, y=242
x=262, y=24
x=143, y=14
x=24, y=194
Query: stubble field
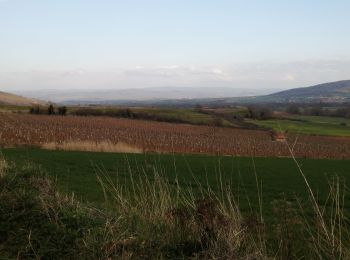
x=19, y=129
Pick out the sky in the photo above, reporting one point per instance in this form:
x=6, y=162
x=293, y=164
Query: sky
x=106, y=44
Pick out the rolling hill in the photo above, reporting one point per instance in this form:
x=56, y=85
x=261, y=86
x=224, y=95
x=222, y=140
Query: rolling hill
x=338, y=91
x=11, y=99
x=331, y=92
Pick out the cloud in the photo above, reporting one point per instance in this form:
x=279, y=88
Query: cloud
x=175, y=72
x=289, y=77
x=169, y=67
x=241, y=75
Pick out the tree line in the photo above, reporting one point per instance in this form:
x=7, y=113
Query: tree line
x=319, y=110
x=50, y=110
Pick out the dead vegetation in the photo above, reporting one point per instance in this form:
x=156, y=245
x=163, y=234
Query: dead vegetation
x=3, y=166
x=86, y=146
x=278, y=136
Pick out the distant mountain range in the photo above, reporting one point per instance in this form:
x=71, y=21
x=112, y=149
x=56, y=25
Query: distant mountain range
x=333, y=92
x=114, y=96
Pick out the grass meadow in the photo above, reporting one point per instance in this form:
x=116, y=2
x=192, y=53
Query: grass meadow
x=134, y=206
x=278, y=178
x=311, y=125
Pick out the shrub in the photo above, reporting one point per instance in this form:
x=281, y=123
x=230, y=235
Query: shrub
x=293, y=109
x=35, y=110
x=315, y=110
x=51, y=110
x=342, y=112
x=259, y=113
x=62, y=111
x=88, y=112
x=217, y=121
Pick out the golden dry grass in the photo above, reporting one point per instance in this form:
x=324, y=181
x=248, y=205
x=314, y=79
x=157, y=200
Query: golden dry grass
x=3, y=166
x=87, y=146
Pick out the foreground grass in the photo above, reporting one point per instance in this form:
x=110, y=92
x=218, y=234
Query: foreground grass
x=313, y=125
x=149, y=222
x=279, y=179
x=155, y=219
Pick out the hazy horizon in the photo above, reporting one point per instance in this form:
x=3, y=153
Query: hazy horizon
x=82, y=45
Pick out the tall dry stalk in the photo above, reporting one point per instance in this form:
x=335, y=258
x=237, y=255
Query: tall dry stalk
x=329, y=233
x=3, y=166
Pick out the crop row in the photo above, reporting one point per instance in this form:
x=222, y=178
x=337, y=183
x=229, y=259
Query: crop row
x=20, y=129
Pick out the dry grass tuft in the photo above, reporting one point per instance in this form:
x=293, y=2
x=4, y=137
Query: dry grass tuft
x=151, y=220
x=87, y=146
x=3, y=166
x=204, y=227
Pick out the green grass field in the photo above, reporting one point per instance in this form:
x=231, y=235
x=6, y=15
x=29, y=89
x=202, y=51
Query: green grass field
x=279, y=177
x=147, y=220
x=313, y=125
